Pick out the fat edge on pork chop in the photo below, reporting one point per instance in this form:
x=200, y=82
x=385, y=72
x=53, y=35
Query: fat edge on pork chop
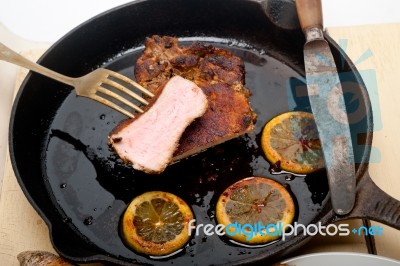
x=221, y=76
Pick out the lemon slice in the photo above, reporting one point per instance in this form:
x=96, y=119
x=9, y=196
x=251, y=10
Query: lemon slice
x=254, y=201
x=291, y=139
x=156, y=223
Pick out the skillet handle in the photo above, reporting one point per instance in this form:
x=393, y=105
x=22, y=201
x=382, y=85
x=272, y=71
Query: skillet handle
x=310, y=14
x=373, y=203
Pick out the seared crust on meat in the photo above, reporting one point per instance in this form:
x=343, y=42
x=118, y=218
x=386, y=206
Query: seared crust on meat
x=204, y=64
x=217, y=72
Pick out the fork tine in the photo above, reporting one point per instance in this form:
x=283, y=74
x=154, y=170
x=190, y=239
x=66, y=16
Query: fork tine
x=112, y=105
x=125, y=90
x=133, y=83
x=119, y=98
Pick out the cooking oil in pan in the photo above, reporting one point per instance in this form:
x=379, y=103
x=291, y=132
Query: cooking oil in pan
x=93, y=186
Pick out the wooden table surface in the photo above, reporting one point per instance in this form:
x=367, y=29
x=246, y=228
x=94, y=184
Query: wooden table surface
x=375, y=51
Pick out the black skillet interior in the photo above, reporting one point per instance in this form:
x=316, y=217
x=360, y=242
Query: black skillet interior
x=79, y=186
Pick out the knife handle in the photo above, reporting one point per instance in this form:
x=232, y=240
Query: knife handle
x=310, y=14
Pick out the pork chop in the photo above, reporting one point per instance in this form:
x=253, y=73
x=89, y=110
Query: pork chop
x=220, y=75
x=149, y=141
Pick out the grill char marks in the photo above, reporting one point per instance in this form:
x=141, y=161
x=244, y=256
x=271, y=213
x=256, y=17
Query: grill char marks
x=220, y=75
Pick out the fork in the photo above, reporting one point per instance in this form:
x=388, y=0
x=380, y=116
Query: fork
x=94, y=85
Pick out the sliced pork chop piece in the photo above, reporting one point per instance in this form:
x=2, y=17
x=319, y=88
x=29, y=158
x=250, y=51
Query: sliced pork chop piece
x=149, y=141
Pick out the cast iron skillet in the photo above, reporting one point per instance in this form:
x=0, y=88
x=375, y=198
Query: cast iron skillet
x=58, y=142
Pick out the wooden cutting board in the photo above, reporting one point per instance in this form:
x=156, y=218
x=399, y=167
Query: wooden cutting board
x=375, y=51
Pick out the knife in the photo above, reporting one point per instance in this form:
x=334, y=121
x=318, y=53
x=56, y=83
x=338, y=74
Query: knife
x=328, y=107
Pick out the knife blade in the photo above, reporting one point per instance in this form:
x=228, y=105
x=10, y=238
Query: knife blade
x=328, y=107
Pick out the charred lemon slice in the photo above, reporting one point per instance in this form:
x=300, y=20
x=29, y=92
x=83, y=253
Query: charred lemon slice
x=252, y=209
x=156, y=223
x=291, y=140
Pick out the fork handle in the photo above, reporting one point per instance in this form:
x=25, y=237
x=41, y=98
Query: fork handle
x=8, y=55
